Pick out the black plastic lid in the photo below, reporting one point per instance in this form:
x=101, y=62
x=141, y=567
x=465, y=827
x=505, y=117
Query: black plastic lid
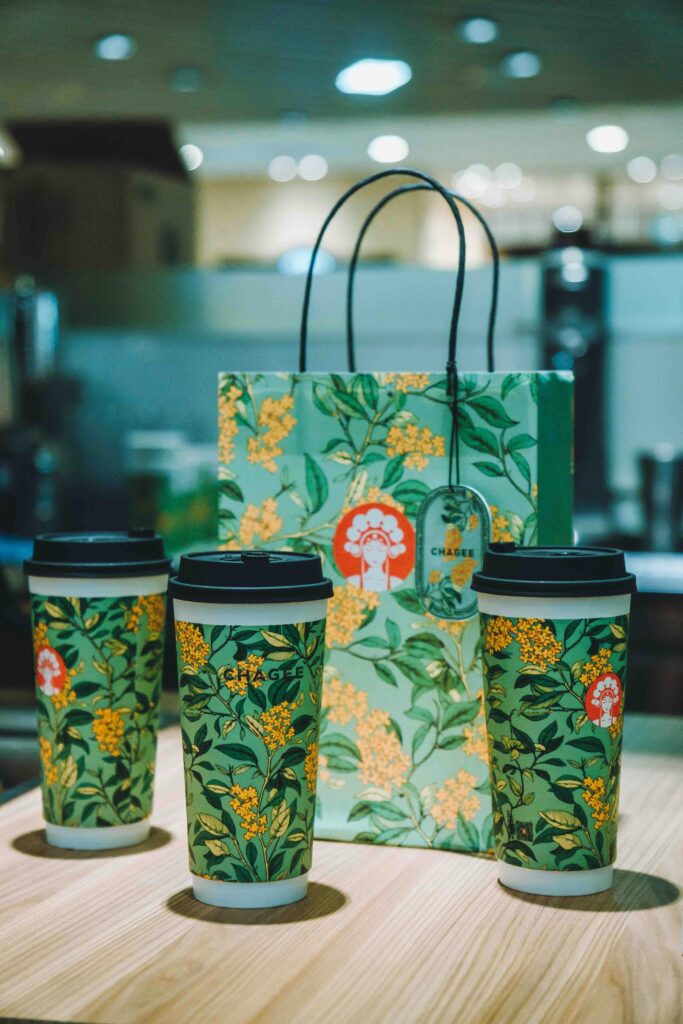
x=553, y=572
x=250, y=577
x=86, y=555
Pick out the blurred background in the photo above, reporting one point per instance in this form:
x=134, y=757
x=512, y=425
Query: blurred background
x=164, y=170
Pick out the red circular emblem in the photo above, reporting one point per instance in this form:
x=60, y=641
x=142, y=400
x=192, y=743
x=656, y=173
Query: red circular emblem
x=603, y=700
x=50, y=670
x=374, y=547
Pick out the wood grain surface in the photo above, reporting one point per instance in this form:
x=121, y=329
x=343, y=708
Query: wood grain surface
x=385, y=935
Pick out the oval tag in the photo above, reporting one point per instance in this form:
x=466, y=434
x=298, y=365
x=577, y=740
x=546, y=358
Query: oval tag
x=453, y=531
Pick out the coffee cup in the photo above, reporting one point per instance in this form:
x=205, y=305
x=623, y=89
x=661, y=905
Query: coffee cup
x=250, y=636
x=98, y=604
x=554, y=627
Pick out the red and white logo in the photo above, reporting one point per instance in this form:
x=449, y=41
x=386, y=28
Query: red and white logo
x=374, y=547
x=50, y=671
x=603, y=700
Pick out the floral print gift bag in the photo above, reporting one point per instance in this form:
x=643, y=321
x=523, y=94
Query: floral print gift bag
x=356, y=467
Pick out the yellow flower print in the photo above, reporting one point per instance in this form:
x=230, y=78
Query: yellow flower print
x=383, y=763
x=323, y=770
x=194, y=650
x=456, y=796
x=462, y=571
x=434, y=576
x=454, y=627
x=596, y=666
x=278, y=423
x=498, y=634
x=62, y=698
x=415, y=443
x=238, y=677
x=534, y=492
x=227, y=423
x=155, y=607
x=346, y=613
x=594, y=795
x=375, y=494
x=259, y=523
x=39, y=637
x=406, y=382
x=344, y=701
x=616, y=727
x=476, y=741
x=245, y=803
x=500, y=525
x=277, y=725
x=473, y=521
x=108, y=728
x=537, y=643
x=452, y=541
x=311, y=766
x=50, y=770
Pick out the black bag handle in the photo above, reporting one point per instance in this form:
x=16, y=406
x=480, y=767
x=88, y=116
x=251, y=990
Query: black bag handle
x=451, y=365
x=403, y=190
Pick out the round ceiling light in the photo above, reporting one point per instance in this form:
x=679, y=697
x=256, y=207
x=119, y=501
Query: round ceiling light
x=312, y=167
x=641, y=169
x=522, y=64
x=607, y=138
x=116, y=46
x=478, y=31
x=567, y=219
x=388, y=149
x=192, y=156
x=282, y=168
x=373, y=77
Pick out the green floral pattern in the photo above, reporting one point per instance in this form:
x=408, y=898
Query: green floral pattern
x=554, y=710
x=300, y=456
x=250, y=711
x=98, y=679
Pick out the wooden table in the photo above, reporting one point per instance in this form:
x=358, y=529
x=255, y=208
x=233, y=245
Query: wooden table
x=386, y=935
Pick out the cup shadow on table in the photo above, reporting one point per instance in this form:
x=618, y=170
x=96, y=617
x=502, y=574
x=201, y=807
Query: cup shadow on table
x=34, y=844
x=632, y=890
x=321, y=901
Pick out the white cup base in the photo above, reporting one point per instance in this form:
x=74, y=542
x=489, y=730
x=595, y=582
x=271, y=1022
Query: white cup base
x=555, y=883
x=249, y=895
x=108, y=838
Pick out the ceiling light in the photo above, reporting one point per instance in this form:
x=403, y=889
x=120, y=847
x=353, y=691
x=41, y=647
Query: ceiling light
x=607, y=138
x=282, y=168
x=388, y=149
x=478, y=30
x=641, y=169
x=667, y=229
x=671, y=196
x=372, y=77
x=312, y=167
x=508, y=175
x=115, y=47
x=192, y=156
x=567, y=219
x=493, y=195
x=185, y=79
x=473, y=181
x=522, y=64
x=672, y=166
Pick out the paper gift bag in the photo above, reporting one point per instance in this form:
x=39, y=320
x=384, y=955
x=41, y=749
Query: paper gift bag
x=357, y=467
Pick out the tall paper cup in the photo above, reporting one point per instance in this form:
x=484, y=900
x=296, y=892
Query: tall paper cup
x=97, y=608
x=554, y=644
x=250, y=632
